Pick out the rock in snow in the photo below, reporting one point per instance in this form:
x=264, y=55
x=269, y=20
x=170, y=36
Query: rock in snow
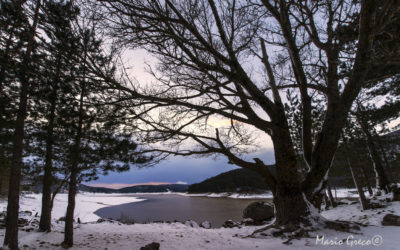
x=391, y=220
x=205, y=224
x=259, y=211
x=230, y=224
x=191, y=223
x=151, y=246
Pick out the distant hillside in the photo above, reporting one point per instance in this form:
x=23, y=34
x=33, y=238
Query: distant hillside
x=84, y=188
x=238, y=180
x=136, y=189
x=154, y=188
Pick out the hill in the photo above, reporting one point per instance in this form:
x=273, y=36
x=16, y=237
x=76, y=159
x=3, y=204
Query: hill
x=238, y=180
x=84, y=188
x=154, y=188
x=136, y=189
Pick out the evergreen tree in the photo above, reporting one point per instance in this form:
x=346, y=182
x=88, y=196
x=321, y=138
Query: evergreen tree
x=11, y=236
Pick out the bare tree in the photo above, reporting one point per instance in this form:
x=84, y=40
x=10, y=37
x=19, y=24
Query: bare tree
x=230, y=60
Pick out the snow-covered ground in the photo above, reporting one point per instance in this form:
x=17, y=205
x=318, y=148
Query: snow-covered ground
x=339, y=193
x=86, y=204
x=113, y=235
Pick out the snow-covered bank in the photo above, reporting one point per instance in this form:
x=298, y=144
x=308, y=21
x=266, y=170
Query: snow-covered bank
x=178, y=236
x=86, y=204
x=339, y=193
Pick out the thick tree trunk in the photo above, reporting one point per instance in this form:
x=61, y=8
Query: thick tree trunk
x=45, y=217
x=291, y=206
x=11, y=236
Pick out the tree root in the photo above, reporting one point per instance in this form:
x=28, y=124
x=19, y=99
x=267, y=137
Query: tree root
x=290, y=232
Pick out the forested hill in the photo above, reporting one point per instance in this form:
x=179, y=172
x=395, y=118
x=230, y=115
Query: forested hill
x=238, y=180
x=137, y=189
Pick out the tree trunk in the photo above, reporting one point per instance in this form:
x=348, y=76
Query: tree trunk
x=291, y=207
x=379, y=142
x=366, y=179
x=382, y=182
x=45, y=217
x=69, y=218
x=288, y=193
x=330, y=196
x=11, y=236
x=363, y=200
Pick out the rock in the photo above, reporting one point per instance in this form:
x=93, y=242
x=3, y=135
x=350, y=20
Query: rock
x=230, y=224
x=25, y=213
x=259, y=211
x=22, y=222
x=151, y=246
x=190, y=223
x=391, y=220
x=251, y=222
x=205, y=224
x=101, y=220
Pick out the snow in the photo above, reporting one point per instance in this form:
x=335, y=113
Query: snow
x=339, y=193
x=86, y=204
x=178, y=236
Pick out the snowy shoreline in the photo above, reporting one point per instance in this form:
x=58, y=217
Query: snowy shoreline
x=87, y=203
x=114, y=235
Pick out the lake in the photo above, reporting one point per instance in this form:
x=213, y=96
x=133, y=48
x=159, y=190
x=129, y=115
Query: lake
x=171, y=207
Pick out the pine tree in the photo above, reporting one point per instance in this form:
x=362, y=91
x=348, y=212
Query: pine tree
x=11, y=237
x=48, y=135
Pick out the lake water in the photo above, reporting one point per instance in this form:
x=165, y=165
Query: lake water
x=171, y=207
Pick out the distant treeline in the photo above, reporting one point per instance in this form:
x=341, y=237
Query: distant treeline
x=238, y=180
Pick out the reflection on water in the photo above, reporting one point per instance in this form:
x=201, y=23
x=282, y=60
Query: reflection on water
x=171, y=207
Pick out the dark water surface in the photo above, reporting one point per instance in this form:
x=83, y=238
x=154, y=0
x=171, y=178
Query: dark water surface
x=171, y=207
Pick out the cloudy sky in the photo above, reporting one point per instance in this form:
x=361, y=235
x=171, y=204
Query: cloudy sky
x=175, y=170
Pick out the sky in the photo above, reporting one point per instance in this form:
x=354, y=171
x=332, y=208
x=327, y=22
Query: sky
x=176, y=170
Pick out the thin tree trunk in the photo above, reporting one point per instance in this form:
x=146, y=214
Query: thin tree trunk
x=57, y=190
x=363, y=200
x=379, y=142
x=382, y=182
x=11, y=236
x=69, y=218
x=367, y=182
x=330, y=196
x=326, y=201
x=45, y=217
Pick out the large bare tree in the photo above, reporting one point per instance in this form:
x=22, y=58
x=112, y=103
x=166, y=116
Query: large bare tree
x=229, y=61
